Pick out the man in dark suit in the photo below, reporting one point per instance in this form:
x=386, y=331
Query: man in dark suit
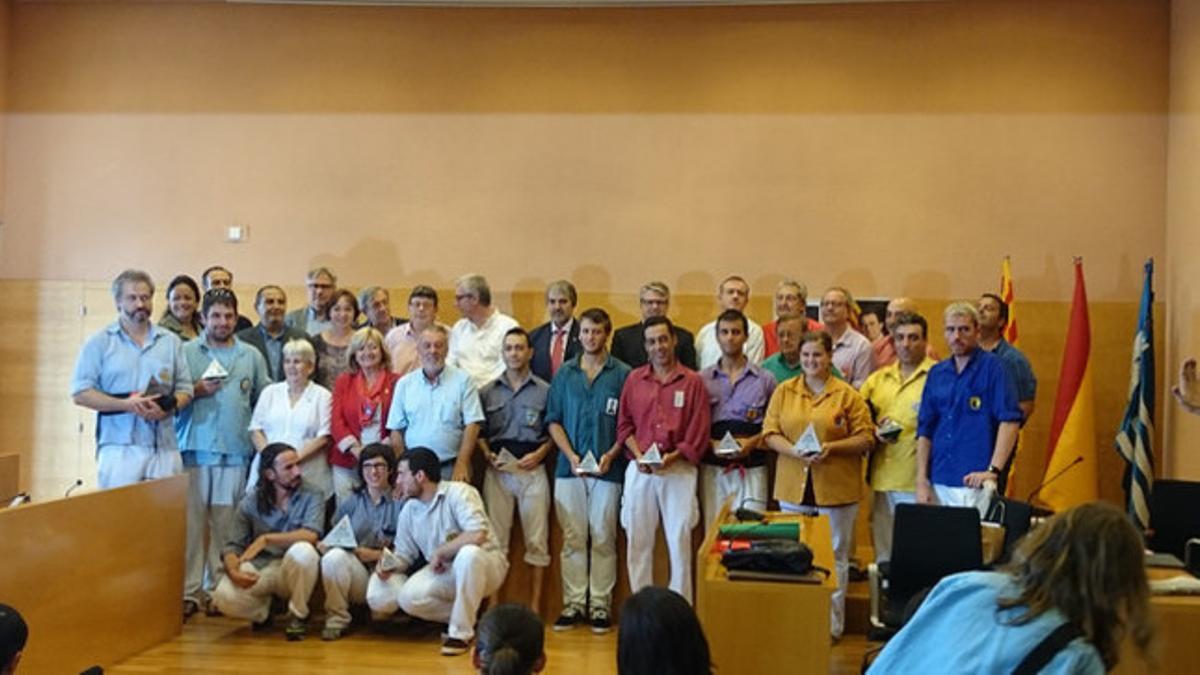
x=557, y=340
x=271, y=333
x=628, y=343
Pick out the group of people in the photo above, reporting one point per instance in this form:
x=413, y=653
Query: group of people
x=339, y=410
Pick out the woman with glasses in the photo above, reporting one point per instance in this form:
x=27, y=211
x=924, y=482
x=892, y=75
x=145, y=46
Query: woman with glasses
x=372, y=515
x=295, y=412
x=362, y=397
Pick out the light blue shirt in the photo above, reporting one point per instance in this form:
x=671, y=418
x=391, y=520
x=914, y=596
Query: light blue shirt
x=112, y=363
x=434, y=414
x=214, y=430
x=960, y=629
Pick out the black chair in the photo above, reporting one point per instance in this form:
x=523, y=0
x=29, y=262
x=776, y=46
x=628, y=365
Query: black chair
x=1174, y=516
x=928, y=543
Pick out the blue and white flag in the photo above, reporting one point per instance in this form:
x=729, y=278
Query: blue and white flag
x=1135, y=440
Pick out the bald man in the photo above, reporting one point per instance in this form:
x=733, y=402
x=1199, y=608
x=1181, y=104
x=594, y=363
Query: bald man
x=883, y=350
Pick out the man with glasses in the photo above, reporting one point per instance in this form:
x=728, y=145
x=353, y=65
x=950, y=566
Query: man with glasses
x=401, y=341
x=628, y=343
x=321, y=283
x=477, y=339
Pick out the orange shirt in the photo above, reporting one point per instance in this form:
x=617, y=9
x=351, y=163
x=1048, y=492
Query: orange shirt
x=838, y=412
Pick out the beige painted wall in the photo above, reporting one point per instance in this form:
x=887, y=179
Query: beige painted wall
x=894, y=148
x=1183, y=229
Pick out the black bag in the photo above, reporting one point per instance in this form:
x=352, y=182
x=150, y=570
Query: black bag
x=779, y=556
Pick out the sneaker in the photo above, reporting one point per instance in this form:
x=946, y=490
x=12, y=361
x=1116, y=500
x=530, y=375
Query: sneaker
x=332, y=633
x=190, y=607
x=570, y=617
x=601, y=623
x=454, y=646
x=296, y=628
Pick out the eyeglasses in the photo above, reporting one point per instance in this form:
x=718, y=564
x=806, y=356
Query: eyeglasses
x=375, y=466
x=320, y=287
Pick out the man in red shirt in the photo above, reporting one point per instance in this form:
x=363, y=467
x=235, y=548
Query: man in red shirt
x=664, y=410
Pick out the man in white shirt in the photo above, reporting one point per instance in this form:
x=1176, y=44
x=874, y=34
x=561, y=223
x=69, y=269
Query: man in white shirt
x=445, y=523
x=477, y=339
x=733, y=293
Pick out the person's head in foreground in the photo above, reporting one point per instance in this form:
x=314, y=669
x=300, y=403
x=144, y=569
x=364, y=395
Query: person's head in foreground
x=1083, y=567
x=13, y=634
x=509, y=642
x=659, y=634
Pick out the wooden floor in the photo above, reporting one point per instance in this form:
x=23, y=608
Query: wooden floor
x=220, y=645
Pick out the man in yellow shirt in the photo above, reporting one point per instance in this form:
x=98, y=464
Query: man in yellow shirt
x=894, y=393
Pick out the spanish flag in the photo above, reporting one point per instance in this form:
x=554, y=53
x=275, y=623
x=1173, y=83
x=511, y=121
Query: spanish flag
x=1071, y=471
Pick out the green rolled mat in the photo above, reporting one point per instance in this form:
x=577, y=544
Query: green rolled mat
x=759, y=531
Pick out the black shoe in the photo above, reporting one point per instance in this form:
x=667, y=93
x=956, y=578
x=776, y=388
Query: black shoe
x=190, y=607
x=454, y=646
x=570, y=617
x=296, y=628
x=264, y=625
x=601, y=623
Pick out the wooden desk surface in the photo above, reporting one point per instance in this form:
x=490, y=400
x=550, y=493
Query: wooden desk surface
x=762, y=626
x=1177, y=637
x=98, y=577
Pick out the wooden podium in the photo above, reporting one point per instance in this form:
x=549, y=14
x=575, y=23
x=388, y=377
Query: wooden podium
x=98, y=577
x=756, y=627
x=1177, y=626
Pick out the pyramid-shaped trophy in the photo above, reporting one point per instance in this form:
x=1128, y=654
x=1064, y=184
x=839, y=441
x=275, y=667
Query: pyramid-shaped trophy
x=652, y=457
x=728, y=447
x=506, y=461
x=808, y=443
x=214, y=371
x=388, y=561
x=588, y=465
x=341, y=536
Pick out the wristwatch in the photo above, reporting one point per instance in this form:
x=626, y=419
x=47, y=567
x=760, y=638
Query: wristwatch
x=993, y=469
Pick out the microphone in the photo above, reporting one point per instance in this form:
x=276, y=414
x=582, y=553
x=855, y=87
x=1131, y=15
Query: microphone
x=19, y=499
x=78, y=482
x=743, y=513
x=1078, y=460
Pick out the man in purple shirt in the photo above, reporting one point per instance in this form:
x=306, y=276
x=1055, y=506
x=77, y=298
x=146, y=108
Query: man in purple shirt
x=738, y=391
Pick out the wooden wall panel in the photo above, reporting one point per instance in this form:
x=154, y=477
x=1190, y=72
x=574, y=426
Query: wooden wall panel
x=97, y=577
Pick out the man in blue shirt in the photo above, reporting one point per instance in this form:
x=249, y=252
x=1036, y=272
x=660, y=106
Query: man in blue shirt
x=133, y=375
x=993, y=319
x=229, y=375
x=582, y=418
x=437, y=407
x=968, y=422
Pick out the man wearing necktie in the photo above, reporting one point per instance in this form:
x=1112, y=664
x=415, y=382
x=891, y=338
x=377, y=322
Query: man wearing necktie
x=557, y=340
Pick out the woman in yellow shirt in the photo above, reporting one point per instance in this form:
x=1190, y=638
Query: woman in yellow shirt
x=826, y=476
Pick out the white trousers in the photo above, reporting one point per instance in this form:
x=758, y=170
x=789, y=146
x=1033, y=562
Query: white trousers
x=344, y=578
x=588, y=506
x=531, y=493
x=121, y=465
x=293, y=578
x=883, y=518
x=841, y=526
x=976, y=498
x=670, y=494
x=451, y=596
x=213, y=494
x=718, y=484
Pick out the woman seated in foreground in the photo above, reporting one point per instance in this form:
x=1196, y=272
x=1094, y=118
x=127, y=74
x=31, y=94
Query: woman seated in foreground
x=509, y=642
x=1083, y=570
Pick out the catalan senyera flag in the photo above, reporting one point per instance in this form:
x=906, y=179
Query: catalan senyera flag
x=1071, y=457
x=1006, y=292
x=1010, y=335
x=1135, y=440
